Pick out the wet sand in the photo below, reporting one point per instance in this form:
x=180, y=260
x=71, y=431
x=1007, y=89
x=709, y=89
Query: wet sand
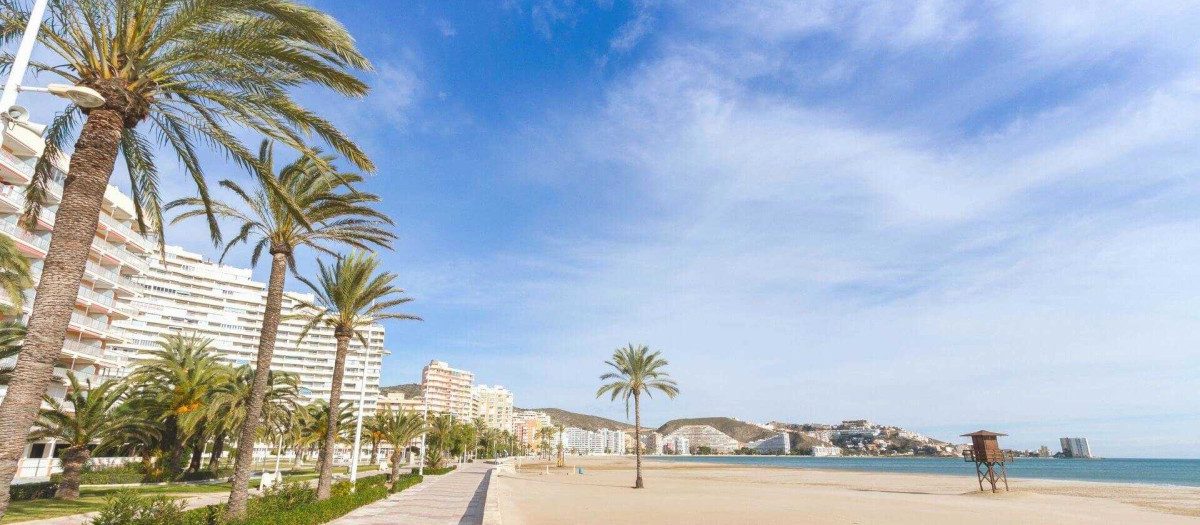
x=712, y=493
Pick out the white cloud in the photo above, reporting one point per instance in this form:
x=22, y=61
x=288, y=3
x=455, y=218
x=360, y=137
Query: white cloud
x=445, y=27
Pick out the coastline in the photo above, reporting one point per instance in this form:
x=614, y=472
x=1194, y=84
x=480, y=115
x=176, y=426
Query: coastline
x=725, y=493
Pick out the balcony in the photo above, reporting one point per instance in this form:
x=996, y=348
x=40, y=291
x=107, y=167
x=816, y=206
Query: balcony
x=29, y=243
x=112, y=225
x=119, y=254
x=105, y=278
x=13, y=169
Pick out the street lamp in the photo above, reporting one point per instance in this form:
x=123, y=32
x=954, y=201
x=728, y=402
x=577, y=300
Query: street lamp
x=424, y=429
x=82, y=96
x=362, y=401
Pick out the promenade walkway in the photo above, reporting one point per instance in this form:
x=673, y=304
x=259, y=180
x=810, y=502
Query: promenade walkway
x=454, y=498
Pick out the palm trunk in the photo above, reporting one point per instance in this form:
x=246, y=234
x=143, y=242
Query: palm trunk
x=374, y=451
x=325, y=481
x=214, y=460
x=74, y=229
x=73, y=460
x=174, y=448
x=396, y=464
x=637, y=437
x=197, y=453
x=242, y=464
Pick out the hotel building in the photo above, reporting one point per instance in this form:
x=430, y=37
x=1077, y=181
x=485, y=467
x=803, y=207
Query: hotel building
x=185, y=294
x=495, y=405
x=705, y=436
x=117, y=257
x=1075, y=447
x=448, y=391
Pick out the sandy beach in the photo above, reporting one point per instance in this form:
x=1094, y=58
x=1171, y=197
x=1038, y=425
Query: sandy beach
x=710, y=493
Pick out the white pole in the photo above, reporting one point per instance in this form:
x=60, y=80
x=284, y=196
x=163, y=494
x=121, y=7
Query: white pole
x=9, y=96
x=425, y=420
x=362, y=401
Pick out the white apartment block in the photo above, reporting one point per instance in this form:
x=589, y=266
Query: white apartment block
x=117, y=256
x=589, y=442
x=705, y=436
x=495, y=405
x=446, y=390
x=189, y=295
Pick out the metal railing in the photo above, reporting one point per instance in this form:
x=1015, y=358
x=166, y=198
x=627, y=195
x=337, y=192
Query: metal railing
x=9, y=225
x=88, y=322
x=111, y=276
x=81, y=348
x=94, y=297
x=125, y=231
x=16, y=163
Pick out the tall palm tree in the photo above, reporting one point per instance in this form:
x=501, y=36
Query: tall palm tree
x=303, y=204
x=374, y=432
x=562, y=460
x=636, y=371
x=351, y=295
x=230, y=402
x=187, y=72
x=175, y=383
x=87, y=414
x=399, y=428
x=544, y=435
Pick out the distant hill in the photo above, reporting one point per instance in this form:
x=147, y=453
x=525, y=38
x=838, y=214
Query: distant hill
x=410, y=390
x=571, y=419
x=739, y=430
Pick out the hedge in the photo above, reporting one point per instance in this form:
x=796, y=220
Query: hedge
x=31, y=491
x=436, y=471
x=406, y=481
x=134, y=473
x=295, y=504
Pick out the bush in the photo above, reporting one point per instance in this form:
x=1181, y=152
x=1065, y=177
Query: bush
x=405, y=482
x=135, y=473
x=436, y=471
x=127, y=508
x=32, y=491
x=205, y=475
x=295, y=504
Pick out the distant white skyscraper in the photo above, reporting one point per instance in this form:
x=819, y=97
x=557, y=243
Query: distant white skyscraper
x=188, y=295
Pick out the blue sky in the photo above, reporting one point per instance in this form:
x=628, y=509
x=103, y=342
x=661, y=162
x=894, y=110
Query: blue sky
x=942, y=215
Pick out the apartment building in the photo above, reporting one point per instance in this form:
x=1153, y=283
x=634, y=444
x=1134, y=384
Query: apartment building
x=1075, y=447
x=705, y=436
x=495, y=405
x=117, y=258
x=447, y=390
x=185, y=294
x=526, y=425
x=395, y=401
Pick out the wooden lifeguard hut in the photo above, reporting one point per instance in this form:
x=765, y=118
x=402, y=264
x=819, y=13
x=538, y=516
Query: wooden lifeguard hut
x=985, y=452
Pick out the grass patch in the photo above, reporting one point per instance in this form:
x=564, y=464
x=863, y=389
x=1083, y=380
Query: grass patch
x=92, y=499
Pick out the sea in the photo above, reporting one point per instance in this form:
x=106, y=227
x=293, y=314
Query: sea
x=1180, y=472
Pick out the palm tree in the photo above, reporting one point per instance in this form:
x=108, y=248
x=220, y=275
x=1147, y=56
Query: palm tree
x=304, y=204
x=12, y=333
x=317, y=427
x=186, y=72
x=636, y=370
x=562, y=460
x=544, y=434
x=230, y=404
x=439, y=433
x=374, y=432
x=15, y=276
x=399, y=428
x=351, y=295
x=86, y=415
x=175, y=383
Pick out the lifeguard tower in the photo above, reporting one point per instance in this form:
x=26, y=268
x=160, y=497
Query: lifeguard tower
x=985, y=452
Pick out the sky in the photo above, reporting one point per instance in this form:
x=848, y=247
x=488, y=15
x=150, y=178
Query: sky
x=935, y=214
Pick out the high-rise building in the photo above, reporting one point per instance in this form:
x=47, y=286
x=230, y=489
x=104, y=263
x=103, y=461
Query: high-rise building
x=526, y=425
x=118, y=254
x=778, y=444
x=1075, y=447
x=185, y=294
x=446, y=390
x=495, y=405
x=705, y=436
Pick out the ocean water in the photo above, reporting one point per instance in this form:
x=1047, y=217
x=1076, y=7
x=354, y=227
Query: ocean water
x=1182, y=472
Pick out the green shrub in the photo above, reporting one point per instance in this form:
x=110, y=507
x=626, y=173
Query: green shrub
x=436, y=471
x=32, y=491
x=127, y=508
x=406, y=481
x=205, y=475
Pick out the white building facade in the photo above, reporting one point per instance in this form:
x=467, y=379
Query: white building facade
x=495, y=405
x=448, y=390
x=185, y=294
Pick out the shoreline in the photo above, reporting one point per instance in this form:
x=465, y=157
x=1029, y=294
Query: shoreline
x=967, y=473
x=727, y=493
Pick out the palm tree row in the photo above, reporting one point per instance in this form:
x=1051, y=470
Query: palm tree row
x=189, y=73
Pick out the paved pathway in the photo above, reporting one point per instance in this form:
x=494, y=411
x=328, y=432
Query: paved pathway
x=455, y=498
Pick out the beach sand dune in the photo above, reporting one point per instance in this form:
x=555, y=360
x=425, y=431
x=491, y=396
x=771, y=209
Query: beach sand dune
x=696, y=493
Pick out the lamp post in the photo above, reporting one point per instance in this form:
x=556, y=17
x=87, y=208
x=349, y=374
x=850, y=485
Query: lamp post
x=82, y=96
x=362, y=401
x=424, y=427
